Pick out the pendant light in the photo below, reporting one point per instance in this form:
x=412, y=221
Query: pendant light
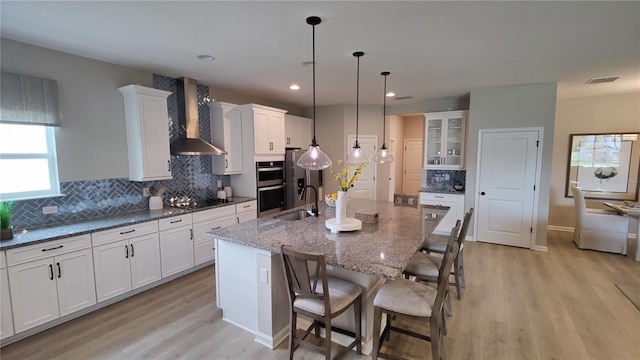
x=356, y=155
x=384, y=156
x=314, y=158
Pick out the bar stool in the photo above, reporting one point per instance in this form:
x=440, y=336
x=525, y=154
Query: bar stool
x=403, y=297
x=319, y=297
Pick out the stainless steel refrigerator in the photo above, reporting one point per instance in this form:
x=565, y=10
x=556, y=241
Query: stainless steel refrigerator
x=296, y=178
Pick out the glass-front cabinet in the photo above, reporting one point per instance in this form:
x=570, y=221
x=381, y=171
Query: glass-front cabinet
x=444, y=139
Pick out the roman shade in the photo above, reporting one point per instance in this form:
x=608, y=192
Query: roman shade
x=28, y=100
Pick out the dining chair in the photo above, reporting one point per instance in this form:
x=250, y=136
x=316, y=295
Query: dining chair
x=436, y=243
x=402, y=199
x=315, y=295
x=403, y=297
x=598, y=229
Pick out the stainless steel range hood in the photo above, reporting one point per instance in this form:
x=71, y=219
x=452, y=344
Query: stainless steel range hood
x=187, y=93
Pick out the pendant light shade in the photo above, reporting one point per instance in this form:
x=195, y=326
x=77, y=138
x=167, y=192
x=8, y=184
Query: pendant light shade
x=356, y=155
x=384, y=156
x=314, y=158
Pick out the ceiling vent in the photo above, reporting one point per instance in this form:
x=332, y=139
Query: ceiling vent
x=402, y=97
x=602, y=80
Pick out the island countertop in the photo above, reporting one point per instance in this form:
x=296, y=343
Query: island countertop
x=381, y=249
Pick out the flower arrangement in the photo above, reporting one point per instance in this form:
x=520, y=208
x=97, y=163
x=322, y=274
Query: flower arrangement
x=347, y=182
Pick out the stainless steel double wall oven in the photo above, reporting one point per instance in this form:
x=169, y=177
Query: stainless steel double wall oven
x=270, y=178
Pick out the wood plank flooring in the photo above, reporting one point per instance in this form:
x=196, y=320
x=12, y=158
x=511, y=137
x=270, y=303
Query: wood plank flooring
x=518, y=304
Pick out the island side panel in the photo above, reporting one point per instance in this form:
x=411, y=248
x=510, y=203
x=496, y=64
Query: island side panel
x=273, y=299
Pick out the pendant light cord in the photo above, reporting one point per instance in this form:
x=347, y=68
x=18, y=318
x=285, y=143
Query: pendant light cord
x=384, y=110
x=357, y=98
x=313, y=36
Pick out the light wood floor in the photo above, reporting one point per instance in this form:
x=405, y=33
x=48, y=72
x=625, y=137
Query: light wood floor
x=518, y=304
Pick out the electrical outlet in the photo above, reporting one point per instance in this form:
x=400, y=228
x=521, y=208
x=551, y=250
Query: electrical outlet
x=50, y=210
x=446, y=176
x=145, y=192
x=219, y=182
x=264, y=275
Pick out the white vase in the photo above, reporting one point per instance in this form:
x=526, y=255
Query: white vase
x=341, y=207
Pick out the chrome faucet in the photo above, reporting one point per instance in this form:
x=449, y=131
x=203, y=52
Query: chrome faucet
x=314, y=208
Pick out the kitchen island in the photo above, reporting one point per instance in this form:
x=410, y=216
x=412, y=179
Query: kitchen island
x=250, y=284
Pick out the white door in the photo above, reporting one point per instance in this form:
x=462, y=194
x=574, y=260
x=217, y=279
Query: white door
x=176, y=250
x=6, y=318
x=365, y=187
x=507, y=175
x=75, y=281
x=412, y=167
x=144, y=256
x=111, y=264
x=33, y=293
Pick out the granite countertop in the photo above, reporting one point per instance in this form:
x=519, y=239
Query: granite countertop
x=49, y=233
x=381, y=249
x=441, y=191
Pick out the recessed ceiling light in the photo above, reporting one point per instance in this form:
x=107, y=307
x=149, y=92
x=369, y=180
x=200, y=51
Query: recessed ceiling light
x=602, y=80
x=391, y=94
x=206, y=57
x=294, y=87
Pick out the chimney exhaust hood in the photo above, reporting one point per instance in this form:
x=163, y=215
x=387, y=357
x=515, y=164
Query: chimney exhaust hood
x=187, y=93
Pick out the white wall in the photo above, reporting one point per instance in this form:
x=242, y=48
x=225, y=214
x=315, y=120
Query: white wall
x=514, y=106
x=596, y=114
x=91, y=143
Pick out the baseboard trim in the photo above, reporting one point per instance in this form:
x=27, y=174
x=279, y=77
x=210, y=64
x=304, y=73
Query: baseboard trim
x=542, y=248
x=560, y=228
x=272, y=341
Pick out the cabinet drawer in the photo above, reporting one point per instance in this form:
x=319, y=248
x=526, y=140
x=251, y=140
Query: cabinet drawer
x=124, y=232
x=174, y=222
x=437, y=197
x=47, y=249
x=213, y=214
x=247, y=206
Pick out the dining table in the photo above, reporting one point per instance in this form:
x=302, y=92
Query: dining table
x=634, y=213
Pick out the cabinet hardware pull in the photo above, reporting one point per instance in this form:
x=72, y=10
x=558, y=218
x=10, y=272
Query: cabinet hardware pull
x=131, y=250
x=191, y=232
x=176, y=221
x=126, y=248
x=439, y=197
x=226, y=163
x=237, y=220
x=53, y=248
x=127, y=232
x=217, y=227
x=246, y=206
x=51, y=270
x=59, y=271
x=169, y=165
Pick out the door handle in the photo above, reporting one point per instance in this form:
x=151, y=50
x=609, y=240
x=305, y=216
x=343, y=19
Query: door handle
x=226, y=163
x=51, y=271
x=217, y=227
x=191, y=236
x=169, y=165
x=131, y=250
x=59, y=271
x=482, y=193
x=126, y=248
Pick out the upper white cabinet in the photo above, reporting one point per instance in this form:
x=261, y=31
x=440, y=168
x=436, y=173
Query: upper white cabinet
x=268, y=128
x=297, y=131
x=147, y=123
x=226, y=133
x=444, y=136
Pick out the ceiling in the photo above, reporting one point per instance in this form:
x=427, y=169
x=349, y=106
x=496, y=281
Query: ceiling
x=433, y=50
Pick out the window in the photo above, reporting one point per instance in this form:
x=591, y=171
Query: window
x=27, y=162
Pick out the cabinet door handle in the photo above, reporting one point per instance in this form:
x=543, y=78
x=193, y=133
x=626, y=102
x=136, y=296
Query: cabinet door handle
x=169, y=165
x=439, y=197
x=217, y=227
x=126, y=248
x=226, y=163
x=53, y=248
x=59, y=271
x=191, y=236
x=176, y=221
x=127, y=232
x=237, y=220
x=131, y=250
x=51, y=271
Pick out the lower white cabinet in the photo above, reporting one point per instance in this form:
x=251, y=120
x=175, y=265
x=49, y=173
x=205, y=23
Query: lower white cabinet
x=208, y=220
x=6, y=317
x=247, y=211
x=125, y=265
x=176, y=244
x=51, y=286
x=456, y=212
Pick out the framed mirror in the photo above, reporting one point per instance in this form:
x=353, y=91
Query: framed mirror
x=604, y=166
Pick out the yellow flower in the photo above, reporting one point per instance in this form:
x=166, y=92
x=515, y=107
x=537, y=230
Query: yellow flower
x=343, y=176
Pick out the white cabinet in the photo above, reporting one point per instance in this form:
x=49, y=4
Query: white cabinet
x=268, y=128
x=247, y=211
x=208, y=220
x=6, y=317
x=226, y=133
x=456, y=212
x=176, y=244
x=147, y=123
x=297, y=131
x=444, y=137
x=126, y=258
x=50, y=280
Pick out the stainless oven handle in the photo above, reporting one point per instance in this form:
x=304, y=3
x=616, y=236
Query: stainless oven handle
x=271, y=169
x=271, y=187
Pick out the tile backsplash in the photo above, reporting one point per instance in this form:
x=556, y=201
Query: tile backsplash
x=192, y=177
x=444, y=179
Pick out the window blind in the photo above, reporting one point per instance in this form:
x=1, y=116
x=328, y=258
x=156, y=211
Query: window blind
x=28, y=100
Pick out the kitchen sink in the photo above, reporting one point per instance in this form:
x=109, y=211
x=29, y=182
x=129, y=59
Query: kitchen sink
x=293, y=216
